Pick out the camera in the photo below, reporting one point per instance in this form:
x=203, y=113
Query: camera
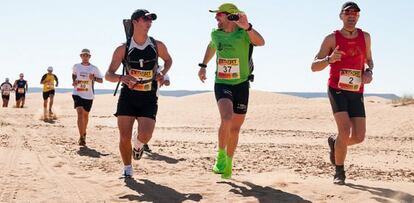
x=233, y=17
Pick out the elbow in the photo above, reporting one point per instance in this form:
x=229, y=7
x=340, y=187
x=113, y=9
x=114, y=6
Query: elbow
x=313, y=68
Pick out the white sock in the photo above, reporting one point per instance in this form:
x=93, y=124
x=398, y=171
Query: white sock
x=138, y=144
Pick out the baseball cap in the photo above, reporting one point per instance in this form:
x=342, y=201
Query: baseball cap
x=227, y=8
x=349, y=5
x=142, y=12
x=85, y=51
x=50, y=68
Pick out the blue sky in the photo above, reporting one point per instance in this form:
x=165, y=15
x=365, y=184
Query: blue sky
x=38, y=34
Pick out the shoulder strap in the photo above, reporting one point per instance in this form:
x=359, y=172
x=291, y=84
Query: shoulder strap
x=251, y=65
x=128, y=28
x=154, y=42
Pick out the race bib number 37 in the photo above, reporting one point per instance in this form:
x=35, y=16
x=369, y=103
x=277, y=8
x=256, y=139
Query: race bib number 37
x=228, y=69
x=350, y=80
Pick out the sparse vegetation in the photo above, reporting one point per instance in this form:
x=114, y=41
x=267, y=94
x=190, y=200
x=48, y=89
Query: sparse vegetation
x=403, y=101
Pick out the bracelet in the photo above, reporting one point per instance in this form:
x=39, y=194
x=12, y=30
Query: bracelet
x=369, y=70
x=249, y=28
x=202, y=65
x=327, y=59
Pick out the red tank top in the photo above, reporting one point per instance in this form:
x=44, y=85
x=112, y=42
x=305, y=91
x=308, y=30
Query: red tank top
x=347, y=73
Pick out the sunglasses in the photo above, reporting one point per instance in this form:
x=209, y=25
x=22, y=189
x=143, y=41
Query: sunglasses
x=85, y=55
x=350, y=12
x=147, y=18
x=220, y=14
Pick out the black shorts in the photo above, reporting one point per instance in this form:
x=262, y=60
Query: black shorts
x=347, y=101
x=238, y=94
x=136, y=104
x=81, y=102
x=20, y=96
x=7, y=97
x=48, y=93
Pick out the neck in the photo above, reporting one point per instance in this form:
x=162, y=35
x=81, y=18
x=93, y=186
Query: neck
x=85, y=63
x=349, y=30
x=140, y=38
x=230, y=27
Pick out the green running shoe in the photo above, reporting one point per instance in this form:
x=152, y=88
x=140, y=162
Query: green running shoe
x=220, y=162
x=228, y=169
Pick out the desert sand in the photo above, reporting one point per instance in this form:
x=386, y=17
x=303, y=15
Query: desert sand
x=282, y=154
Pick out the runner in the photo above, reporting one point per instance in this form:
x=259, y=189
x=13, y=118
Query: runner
x=48, y=81
x=346, y=51
x=231, y=43
x=84, y=77
x=138, y=99
x=6, y=88
x=20, y=86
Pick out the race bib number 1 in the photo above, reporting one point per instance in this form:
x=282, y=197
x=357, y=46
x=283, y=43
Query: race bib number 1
x=142, y=75
x=350, y=80
x=228, y=69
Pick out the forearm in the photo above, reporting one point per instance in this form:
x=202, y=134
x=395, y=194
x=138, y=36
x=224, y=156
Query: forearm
x=255, y=38
x=208, y=55
x=319, y=64
x=167, y=66
x=370, y=63
x=112, y=77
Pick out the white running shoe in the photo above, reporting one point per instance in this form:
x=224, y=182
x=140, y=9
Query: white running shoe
x=127, y=172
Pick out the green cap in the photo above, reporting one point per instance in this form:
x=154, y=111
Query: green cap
x=227, y=8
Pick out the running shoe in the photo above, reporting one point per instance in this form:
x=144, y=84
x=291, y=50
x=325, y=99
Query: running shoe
x=147, y=149
x=331, y=143
x=228, y=169
x=127, y=172
x=220, y=162
x=339, y=178
x=137, y=153
x=82, y=140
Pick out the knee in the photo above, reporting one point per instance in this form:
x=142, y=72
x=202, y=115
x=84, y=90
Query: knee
x=226, y=118
x=359, y=137
x=235, y=131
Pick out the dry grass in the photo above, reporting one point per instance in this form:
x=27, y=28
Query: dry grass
x=403, y=101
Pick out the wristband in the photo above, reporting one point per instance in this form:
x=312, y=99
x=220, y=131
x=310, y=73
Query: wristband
x=202, y=65
x=249, y=28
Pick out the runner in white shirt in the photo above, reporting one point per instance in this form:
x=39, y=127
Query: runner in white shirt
x=84, y=76
x=6, y=88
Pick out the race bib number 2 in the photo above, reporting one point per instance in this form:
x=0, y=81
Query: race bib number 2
x=228, y=69
x=350, y=79
x=142, y=75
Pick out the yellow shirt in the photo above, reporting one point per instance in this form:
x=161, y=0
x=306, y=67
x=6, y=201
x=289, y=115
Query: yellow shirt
x=48, y=81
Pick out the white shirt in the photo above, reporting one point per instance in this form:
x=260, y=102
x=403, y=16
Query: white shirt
x=6, y=88
x=84, y=88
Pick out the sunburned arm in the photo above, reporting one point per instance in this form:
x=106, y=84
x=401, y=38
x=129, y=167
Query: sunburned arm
x=320, y=62
x=165, y=56
x=117, y=57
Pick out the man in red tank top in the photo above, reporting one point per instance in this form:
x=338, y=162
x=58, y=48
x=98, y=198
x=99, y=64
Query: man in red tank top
x=348, y=52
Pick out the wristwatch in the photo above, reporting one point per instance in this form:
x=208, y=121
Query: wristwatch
x=202, y=65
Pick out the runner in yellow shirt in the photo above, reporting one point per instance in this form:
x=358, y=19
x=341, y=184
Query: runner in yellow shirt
x=48, y=81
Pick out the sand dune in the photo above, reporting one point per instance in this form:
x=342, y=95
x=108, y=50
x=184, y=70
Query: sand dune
x=282, y=154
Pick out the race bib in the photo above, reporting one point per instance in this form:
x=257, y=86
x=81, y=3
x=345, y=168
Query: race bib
x=50, y=85
x=350, y=79
x=142, y=75
x=82, y=86
x=228, y=69
x=6, y=92
x=20, y=90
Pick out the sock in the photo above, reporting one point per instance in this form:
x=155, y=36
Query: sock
x=221, y=153
x=339, y=168
x=138, y=144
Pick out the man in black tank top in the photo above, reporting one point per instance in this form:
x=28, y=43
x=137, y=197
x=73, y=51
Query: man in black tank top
x=20, y=87
x=138, y=99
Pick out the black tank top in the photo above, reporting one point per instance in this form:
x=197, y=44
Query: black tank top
x=143, y=57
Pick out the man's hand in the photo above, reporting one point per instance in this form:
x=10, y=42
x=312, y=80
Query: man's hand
x=202, y=74
x=336, y=55
x=367, y=77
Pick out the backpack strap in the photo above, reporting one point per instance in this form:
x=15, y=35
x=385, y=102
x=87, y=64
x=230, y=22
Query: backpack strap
x=154, y=42
x=251, y=65
x=129, y=29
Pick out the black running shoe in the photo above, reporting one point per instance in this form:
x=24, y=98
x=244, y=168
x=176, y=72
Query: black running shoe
x=331, y=143
x=147, y=149
x=339, y=178
x=82, y=141
x=137, y=154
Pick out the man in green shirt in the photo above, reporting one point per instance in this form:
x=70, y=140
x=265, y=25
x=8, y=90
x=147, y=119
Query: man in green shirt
x=231, y=44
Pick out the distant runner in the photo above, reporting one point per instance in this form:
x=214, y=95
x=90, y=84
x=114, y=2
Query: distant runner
x=20, y=86
x=48, y=80
x=6, y=88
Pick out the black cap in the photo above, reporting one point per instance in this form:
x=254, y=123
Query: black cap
x=142, y=12
x=349, y=5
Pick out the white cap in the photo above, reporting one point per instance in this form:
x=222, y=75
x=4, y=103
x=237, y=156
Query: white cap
x=50, y=68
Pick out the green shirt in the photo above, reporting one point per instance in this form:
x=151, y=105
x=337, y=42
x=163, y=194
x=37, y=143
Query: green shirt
x=232, y=56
